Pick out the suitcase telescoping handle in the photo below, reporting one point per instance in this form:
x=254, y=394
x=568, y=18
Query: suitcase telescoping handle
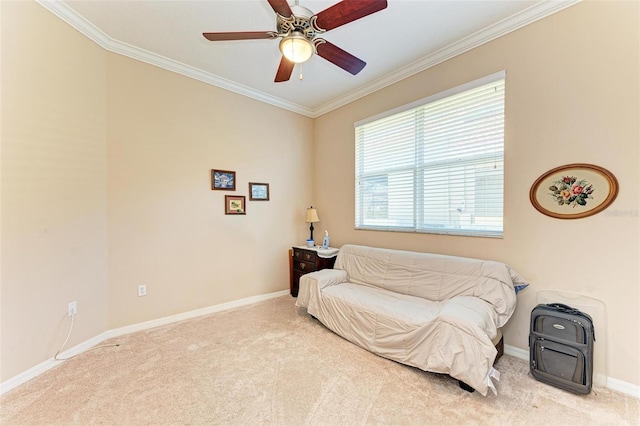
x=564, y=308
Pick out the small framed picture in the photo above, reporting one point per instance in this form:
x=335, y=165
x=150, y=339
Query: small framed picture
x=234, y=204
x=258, y=191
x=223, y=179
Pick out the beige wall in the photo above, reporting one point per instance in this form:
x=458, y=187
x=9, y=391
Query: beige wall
x=106, y=185
x=572, y=95
x=167, y=228
x=53, y=186
x=105, y=179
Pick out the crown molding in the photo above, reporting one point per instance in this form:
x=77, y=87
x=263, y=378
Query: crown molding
x=64, y=12
x=492, y=32
x=532, y=14
x=197, y=74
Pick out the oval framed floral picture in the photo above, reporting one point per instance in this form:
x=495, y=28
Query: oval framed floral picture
x=574, y=191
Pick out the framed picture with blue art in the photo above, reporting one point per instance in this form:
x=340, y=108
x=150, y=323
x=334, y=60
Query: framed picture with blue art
x=258, y=191
x=223, y=179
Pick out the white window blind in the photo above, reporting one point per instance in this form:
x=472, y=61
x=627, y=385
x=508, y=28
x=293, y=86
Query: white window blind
x=435, y=166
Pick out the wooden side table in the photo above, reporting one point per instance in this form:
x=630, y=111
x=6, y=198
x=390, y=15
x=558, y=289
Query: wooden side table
x=305, y=260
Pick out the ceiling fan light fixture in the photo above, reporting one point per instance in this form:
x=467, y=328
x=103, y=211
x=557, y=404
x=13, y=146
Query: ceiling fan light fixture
x=296, y=47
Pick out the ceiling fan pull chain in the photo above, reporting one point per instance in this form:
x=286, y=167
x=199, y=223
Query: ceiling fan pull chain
x=300, y=72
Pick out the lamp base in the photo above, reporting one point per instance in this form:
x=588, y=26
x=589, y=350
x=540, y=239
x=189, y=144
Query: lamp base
x=311, y=232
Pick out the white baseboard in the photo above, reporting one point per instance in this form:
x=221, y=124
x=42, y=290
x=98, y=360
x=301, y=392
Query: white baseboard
x=624, y=387
x=516, y=352
x=611, y=383
x=615, y=384
x=34, y=372
x=25, y=376
x=192, y=314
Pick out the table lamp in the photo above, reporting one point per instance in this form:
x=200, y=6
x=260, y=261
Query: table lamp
x=312, y=217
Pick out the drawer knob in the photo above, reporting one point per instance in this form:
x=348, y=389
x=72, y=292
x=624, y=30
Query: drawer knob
x=302, y=265
x=308, y=256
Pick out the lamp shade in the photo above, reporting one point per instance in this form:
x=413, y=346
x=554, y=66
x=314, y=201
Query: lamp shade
x=296, y=47
x=312, y=215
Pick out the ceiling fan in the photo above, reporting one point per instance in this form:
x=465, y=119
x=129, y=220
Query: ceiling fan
x=298, y=27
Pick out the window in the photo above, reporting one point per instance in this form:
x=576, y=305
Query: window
x=436, y=165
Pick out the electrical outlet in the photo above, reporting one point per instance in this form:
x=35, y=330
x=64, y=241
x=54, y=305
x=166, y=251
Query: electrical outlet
x=142, y=290
x=73, y=308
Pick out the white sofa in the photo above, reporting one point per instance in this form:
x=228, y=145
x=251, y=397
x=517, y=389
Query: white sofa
x=434, y=312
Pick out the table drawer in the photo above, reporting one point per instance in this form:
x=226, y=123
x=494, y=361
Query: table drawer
x=302, y=266
x=304, y=255
x=302, y=261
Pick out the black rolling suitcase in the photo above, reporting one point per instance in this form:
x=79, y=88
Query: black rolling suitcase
x=561, y=347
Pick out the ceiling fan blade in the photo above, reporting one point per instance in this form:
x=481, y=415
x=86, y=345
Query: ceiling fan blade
x=347, y=11
x=281, y=7
x=246, y=35
x=284, y=70
x=334, y=54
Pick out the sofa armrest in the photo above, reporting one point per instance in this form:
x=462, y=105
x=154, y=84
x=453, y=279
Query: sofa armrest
x=327, y=277
x=314, y=282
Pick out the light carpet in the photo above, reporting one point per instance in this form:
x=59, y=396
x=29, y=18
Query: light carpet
x=272, y=364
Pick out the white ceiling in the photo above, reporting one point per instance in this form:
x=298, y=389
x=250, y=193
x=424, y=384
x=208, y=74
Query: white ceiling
x=403, y=39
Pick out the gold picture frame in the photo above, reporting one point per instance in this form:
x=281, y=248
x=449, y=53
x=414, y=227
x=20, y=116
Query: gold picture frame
x=574, y=191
